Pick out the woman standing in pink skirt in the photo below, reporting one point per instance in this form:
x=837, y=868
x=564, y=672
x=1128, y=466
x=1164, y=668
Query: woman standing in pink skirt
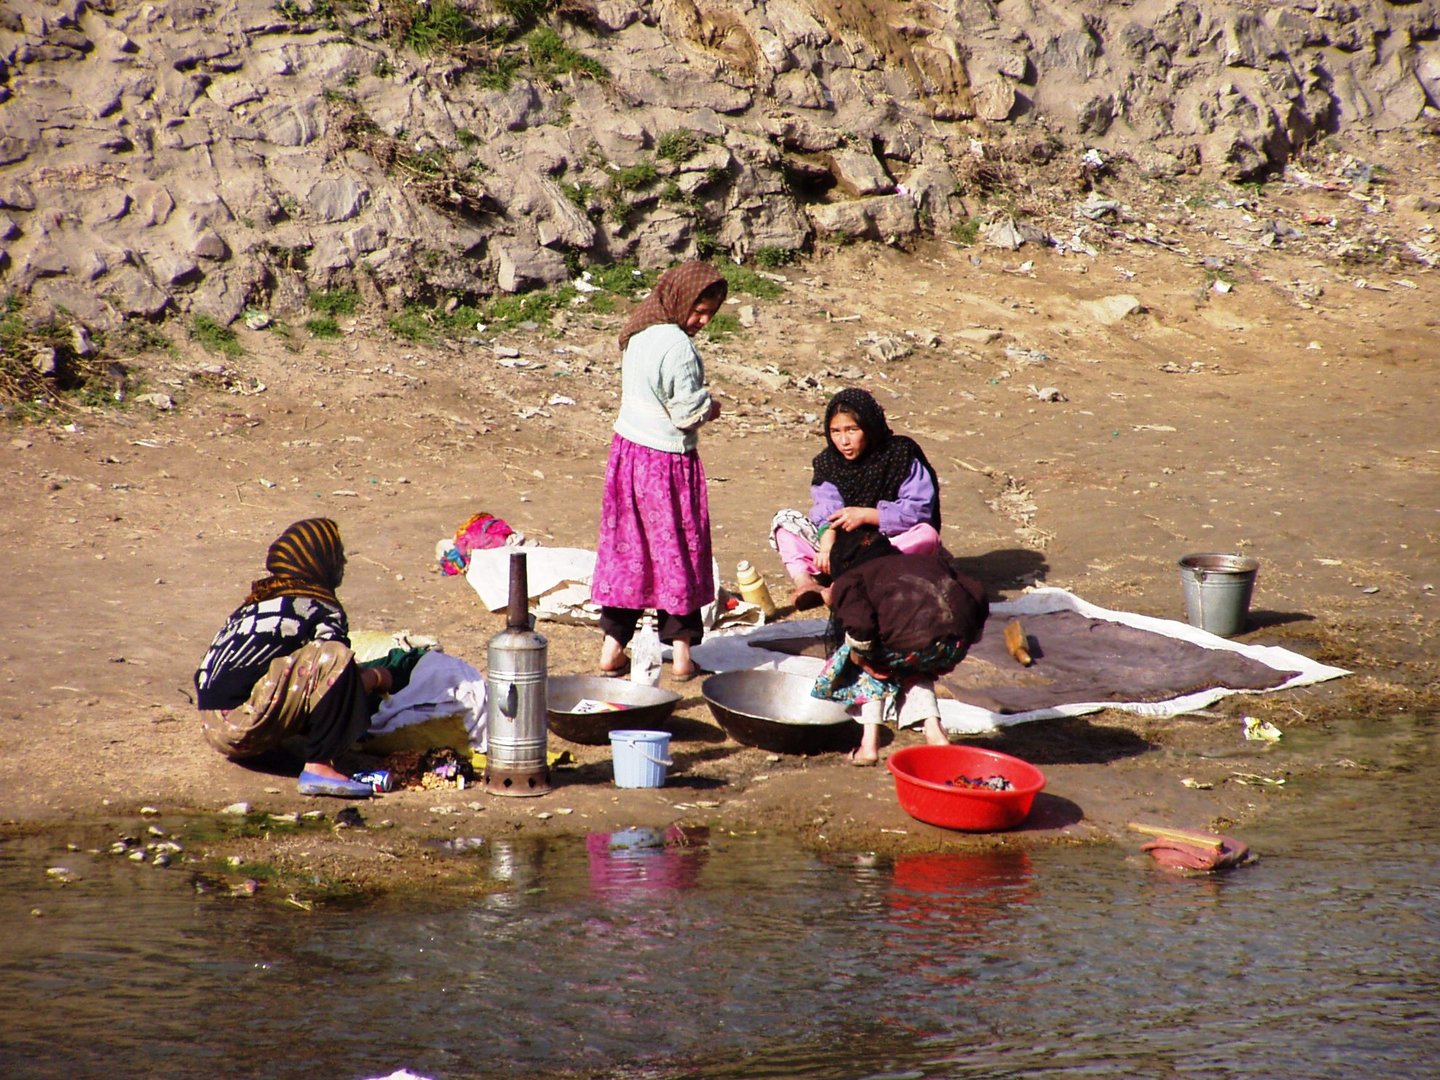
x=654, y=548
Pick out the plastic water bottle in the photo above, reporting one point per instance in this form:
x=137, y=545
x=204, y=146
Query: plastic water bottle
x=646, y=655
x=753, y=588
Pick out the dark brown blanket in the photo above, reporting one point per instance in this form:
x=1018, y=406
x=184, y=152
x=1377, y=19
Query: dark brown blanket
x=1080, y=659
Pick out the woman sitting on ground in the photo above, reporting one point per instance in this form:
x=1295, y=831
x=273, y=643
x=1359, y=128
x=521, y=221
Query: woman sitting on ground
x=282, y=666
x=901, y=620
x=866, y=476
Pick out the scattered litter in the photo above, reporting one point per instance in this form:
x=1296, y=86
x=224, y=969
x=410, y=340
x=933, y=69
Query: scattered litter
x=1370, y=590
x=513, y=362
x=560, y=399
x=1258, y=730
x=1197, y=785
x=1221, y=287
x=1047, y=393
x=884, y=347
x=1256, y=780
x=1096, y=206
x=1026, y=356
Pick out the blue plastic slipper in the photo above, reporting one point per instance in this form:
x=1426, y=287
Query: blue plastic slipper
x=315, y=784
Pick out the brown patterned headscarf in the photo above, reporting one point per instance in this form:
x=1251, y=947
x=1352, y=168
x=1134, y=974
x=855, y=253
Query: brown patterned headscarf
x=307, y=559
x=674, y=297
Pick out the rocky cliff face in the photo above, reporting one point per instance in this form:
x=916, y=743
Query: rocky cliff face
x=206, y=156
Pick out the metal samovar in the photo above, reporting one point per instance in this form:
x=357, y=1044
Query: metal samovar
x=515, y=699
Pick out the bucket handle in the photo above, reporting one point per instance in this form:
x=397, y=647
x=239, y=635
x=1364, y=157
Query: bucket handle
x=657, y=760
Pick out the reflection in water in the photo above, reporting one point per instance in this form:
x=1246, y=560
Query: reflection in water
x=637, y=863
x=718, y=958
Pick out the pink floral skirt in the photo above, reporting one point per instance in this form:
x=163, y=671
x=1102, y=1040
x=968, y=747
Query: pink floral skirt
x=654, y=549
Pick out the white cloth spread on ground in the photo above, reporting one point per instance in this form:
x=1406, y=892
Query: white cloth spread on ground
x=732, y=650
x=558, y=583
x=440, y=685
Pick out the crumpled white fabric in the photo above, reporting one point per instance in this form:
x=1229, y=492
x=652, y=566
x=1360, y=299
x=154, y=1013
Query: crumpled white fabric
x=440, y=685
x=558, y=583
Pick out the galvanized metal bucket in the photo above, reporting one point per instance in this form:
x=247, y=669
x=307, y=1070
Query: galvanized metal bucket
x=1217, y=591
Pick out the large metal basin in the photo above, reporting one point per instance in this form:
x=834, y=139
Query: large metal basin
x=645, y=707
x=774, y=711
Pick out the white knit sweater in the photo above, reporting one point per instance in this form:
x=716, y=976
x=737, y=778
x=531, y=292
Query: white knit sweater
x=663, y=400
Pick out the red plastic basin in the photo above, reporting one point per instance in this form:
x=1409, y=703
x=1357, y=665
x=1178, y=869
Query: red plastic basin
x=921, y=771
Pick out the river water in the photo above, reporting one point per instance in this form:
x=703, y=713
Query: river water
x=744, y=957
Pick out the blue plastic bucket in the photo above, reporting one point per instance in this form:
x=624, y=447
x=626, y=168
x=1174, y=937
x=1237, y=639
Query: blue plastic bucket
x=640, y=758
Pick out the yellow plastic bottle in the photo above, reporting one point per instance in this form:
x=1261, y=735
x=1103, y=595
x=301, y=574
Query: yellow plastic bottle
x=753, y=588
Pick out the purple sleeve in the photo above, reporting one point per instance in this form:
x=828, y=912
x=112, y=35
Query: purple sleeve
x=913, y=503
x=824, y=501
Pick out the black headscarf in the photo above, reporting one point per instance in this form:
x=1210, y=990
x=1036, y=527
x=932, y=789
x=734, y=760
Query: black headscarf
x=856, y=547
x=307, y=559
x=876, y=475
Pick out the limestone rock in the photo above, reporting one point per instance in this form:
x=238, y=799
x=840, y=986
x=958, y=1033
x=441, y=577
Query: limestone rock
x=859, y=172
x=337, y=198
x=883, y=218
x=522, y=266
x=1110, y=310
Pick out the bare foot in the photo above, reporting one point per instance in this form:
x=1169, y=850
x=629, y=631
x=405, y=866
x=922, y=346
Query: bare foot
x=861, y=759
x=612, y=656
x=934, y=733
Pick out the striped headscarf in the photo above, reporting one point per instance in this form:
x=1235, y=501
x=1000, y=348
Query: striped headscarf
x=307, y=559
x=674, y=297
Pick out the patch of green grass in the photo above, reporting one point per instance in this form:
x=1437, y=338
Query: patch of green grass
x=466, y=138
x=426, y=163
x=384, y=68
x=413, y=324
x=723, y=325
x=678, y=145
x=418, y=323
x=623, y=278
x=334, y=301
x=323, y=327
x=295, y=12
x=744, y=280
x=634, y=177
x=12, y=323
x=505, y=312
x=214, y=336
x=550, y=57
x=524, y=13
x=500, y=74
x=437, y=26
x=966, y=231
x=134, y=336
x=580, y=194
x=772, y=258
